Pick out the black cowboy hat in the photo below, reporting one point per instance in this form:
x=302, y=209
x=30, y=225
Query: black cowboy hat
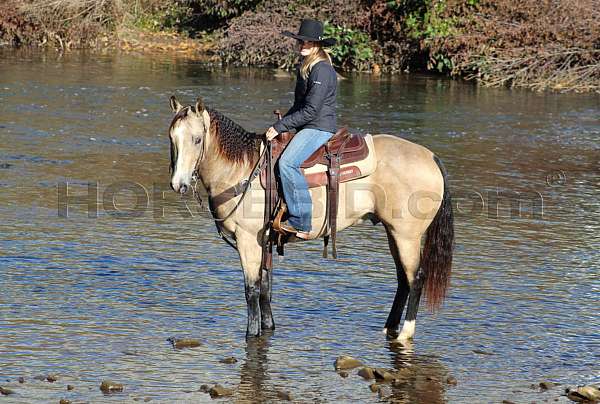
x=310, y=30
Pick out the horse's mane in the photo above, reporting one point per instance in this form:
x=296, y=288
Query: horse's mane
x=234, y=143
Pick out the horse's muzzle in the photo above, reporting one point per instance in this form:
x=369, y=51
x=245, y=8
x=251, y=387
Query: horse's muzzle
x=179, y=188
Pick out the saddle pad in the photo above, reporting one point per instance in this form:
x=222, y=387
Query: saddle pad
x=316, y=175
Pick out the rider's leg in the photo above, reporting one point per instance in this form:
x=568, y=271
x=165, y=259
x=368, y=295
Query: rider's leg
x=295, y=188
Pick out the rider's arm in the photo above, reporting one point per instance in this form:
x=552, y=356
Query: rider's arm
x=298, y=94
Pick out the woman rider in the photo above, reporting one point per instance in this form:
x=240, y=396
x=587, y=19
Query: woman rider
x=313, y=117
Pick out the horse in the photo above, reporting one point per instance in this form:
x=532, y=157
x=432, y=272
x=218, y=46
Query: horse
x=408, y=193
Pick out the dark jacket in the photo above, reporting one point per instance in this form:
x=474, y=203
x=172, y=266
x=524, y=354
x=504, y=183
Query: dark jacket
x=314, y=101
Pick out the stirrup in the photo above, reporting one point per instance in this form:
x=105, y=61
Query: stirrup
x=278, y=217
x=289, y=229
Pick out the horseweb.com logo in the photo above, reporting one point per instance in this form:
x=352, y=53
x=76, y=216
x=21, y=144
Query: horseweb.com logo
x=128, y=199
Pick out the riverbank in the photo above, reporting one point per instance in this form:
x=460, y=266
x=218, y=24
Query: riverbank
x=514, y=43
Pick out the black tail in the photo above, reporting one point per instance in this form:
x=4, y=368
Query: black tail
x=436, y=259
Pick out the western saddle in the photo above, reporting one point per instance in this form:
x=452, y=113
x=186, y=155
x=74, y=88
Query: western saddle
x=343, y=148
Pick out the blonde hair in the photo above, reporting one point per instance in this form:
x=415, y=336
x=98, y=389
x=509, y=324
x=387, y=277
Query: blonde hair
x=318, y=54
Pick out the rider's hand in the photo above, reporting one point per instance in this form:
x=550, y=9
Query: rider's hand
x=271, y=133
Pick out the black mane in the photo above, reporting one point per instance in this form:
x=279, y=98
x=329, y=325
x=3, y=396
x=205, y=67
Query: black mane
x=235, y=143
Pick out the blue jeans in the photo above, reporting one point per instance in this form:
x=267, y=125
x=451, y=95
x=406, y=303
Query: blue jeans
x=295, y=188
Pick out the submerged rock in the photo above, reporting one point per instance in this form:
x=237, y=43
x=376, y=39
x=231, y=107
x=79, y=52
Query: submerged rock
x=283, y=395
x=451, y=380
x=507, y=402
x=219, y=391
x=546, y=385
x=21, y=380
x=108, y=387
x=481, y=352
x=40, y=378
x=346, y=362
x=343, y=374
x=130, y=352
x=584, y=394
x=366, y=373
x=180, y=343
x=383, y=375
x=204, y=388
x=6, y=392
x=70, y=387
x=230, y=360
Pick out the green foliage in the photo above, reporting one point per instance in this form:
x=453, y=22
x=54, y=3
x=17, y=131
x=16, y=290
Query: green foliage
x=173, y=14
x=191, y=16
x=352, y=49
x=424, y=21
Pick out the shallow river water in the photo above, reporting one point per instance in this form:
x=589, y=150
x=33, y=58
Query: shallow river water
x=95, y=298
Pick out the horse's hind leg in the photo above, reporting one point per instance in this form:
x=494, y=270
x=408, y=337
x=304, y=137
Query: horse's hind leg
x=408, y=328
x=391, y=325
x=410, y=256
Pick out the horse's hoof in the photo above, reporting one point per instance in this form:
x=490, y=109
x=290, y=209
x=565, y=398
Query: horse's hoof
x=404, y=337
x=408, y=330
x=251, y=335
x=390, y=333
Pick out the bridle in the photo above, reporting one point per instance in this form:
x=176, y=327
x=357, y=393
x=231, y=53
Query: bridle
x=241, y=188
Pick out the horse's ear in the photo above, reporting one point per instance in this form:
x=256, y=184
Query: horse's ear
x=199, y=106
x=175, y=105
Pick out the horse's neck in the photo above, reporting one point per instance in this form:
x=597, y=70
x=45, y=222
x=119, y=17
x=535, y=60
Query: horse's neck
x=228, y=158
x=218, y=174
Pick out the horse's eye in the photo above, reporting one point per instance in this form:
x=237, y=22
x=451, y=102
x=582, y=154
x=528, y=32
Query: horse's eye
x=198, y=140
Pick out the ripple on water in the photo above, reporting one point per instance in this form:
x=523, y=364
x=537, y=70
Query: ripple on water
x=96, y=298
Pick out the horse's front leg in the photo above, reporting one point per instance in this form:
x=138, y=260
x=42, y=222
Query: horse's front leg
x=250, y=256
x=266, y=286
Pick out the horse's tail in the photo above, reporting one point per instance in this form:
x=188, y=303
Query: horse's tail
x=436, y=260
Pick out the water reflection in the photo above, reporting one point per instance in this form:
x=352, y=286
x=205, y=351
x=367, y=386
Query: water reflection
x=422, y=379
x=253, y=373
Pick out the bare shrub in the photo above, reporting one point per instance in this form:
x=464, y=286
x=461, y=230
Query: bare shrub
x=72, y=23
x=255, y=36
x=15, y=26
x=549, y=44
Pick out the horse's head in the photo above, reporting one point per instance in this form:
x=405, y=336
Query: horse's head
x=188, y=135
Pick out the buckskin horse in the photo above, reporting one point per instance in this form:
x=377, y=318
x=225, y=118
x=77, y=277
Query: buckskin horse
x=407, y=192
